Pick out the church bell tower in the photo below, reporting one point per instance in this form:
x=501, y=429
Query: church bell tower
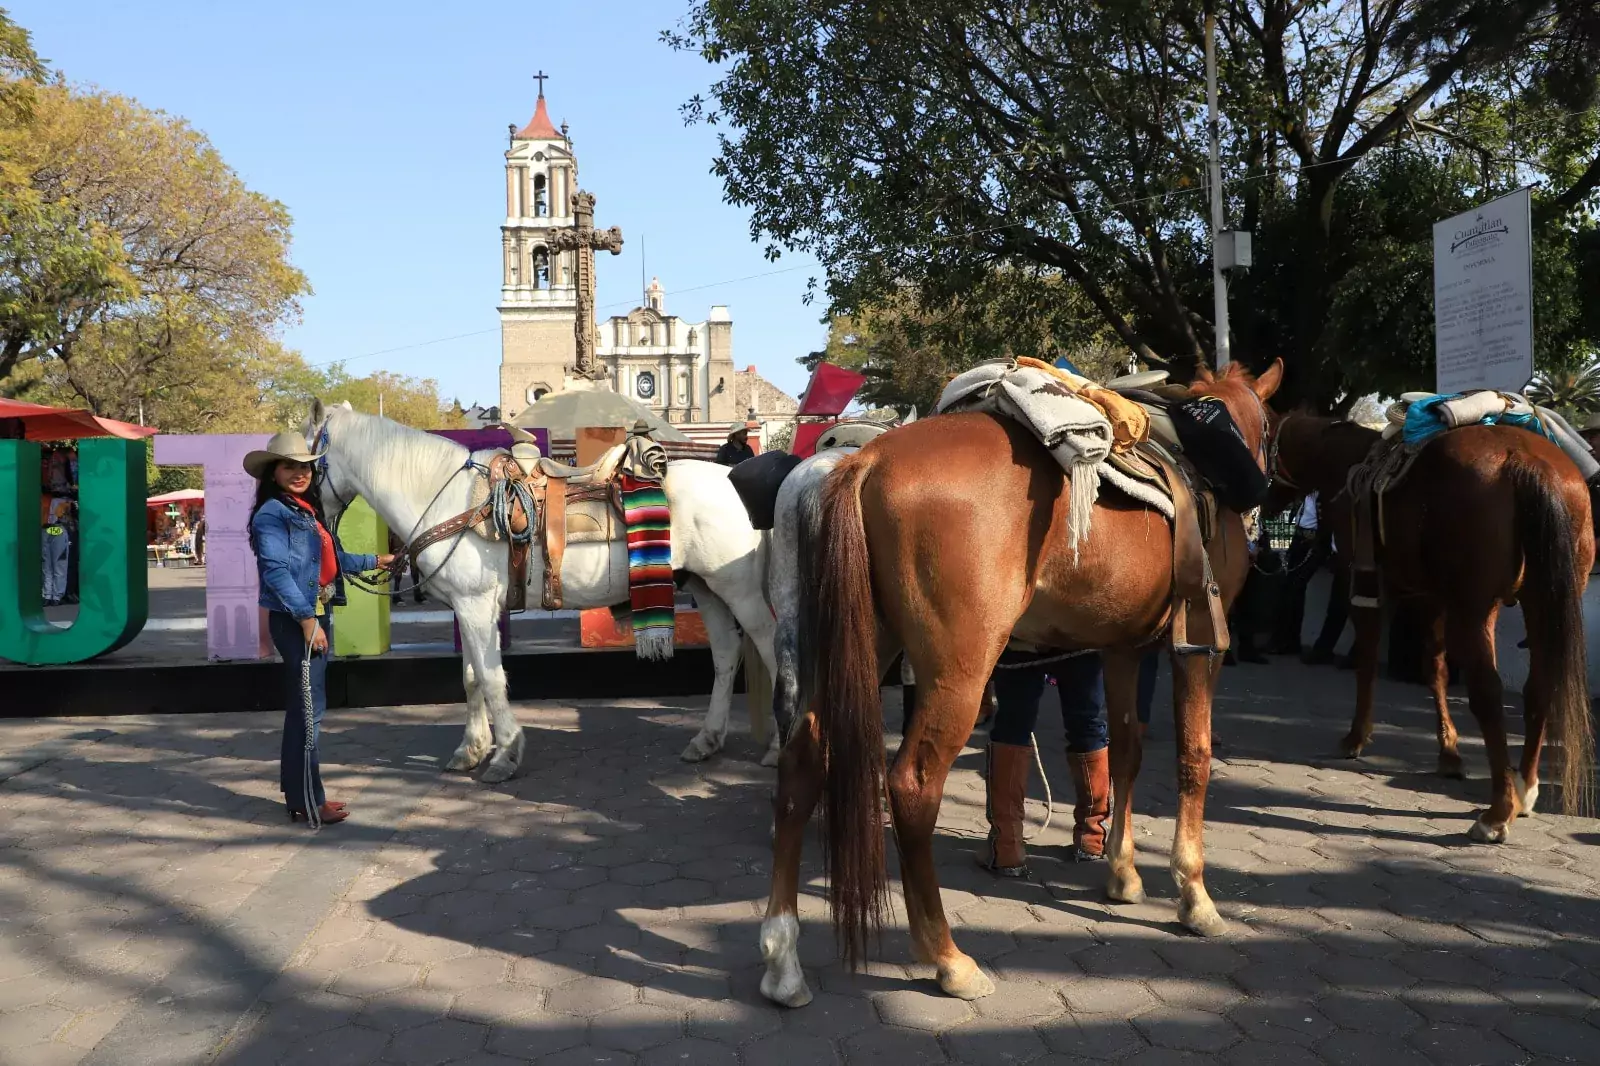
x=539, y=294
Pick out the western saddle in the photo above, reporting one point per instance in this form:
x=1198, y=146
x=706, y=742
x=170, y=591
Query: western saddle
x=569, y=505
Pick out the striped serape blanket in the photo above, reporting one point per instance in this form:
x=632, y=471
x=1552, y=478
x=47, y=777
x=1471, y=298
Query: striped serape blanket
x=650, y=587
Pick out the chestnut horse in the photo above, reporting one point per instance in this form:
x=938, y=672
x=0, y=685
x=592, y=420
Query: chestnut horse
x=945, y=539
x=1487, y=515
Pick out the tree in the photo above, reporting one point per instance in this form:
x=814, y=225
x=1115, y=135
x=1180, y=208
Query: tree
x=409, y=401
x=142, y=271
x=927, y=143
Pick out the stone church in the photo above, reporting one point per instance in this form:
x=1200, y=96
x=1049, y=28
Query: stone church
x=682, y=370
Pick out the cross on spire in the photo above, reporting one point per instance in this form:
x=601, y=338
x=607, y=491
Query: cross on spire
x=540, y=78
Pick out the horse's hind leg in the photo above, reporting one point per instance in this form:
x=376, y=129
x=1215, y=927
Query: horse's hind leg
x=723, y=632
x=476, y=741
x=1537, y=697
x=799, y=786
x=1369, y=626
x=1123, y=884
x=1194, y=679
x=1471, y=640
x=1439, y=682
x=940, y=728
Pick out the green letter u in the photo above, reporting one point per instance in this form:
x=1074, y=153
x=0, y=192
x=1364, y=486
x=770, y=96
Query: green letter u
x=113, y=590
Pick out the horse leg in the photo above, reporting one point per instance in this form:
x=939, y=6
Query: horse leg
x=1369, y=627
x=1537, y=697
x=1471, y=640
x=476, y=742
x=723, y=632
x=1194, y=678
x=1449, y=754
x=754, y=617
x=799, y=786
x=480, y=642
x=947, y=710
x=1127, y=751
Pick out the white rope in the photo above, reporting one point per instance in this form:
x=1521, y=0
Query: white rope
x=1049, y=800
x=308, y=706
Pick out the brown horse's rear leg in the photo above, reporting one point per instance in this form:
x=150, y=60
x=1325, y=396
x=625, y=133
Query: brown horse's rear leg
x=799, y=785
x=947, y=708
x=1193, y=678
x=1127, y=750
x=1537, y=697
x=1439, y=682
x=1369, y=625
x=1471, y=639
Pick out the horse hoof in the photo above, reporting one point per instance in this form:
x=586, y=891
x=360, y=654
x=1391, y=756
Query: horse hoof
x=499, y=772
x=700, y=749
x=1125, y=889
x=963, y=980
x=792, y=993
x=1351, y=748
x=1203, y=920
x=1528, y=797
x=1484, y=833
x=463, y=762
x=1450, y=767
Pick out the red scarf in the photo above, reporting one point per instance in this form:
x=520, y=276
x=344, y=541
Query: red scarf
x=330, y=561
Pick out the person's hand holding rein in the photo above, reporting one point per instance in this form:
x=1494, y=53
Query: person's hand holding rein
x=314, y=636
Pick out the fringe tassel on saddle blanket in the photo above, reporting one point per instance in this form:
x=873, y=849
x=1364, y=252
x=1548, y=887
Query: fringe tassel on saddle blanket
x=651, y=590
x=1078, y=422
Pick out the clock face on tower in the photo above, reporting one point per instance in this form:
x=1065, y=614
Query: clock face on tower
x=645, y=385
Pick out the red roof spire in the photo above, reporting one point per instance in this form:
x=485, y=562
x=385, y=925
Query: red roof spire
x=539, y=127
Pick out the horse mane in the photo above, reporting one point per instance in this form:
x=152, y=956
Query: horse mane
x=411, y=457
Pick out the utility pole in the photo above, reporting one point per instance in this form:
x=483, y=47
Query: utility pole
x=1219, y=280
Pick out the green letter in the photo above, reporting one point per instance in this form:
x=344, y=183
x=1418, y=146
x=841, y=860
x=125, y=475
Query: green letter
x=113, y=589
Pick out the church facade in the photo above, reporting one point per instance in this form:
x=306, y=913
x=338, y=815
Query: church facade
x=682, y=370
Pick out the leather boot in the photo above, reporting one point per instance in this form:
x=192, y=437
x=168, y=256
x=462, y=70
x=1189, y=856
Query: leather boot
x=1091, y=778
x=1007, y=770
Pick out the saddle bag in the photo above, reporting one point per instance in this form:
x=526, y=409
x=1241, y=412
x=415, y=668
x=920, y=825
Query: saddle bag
x=1212, y=442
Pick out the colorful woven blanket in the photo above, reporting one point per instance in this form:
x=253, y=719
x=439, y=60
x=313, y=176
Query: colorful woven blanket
x=650, y=587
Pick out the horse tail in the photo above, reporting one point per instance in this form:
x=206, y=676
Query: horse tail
x=1552, y=587
x=838, y=641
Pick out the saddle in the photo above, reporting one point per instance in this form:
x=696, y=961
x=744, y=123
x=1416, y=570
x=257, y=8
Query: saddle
x=570, y=505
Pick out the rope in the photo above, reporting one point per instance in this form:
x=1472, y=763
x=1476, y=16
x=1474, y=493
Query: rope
x=1044, y=660
x=1049, y=800
x=308, y=707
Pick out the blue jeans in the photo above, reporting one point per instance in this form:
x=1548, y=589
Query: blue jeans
x=53, y=583
x=1081, y=687
x=291, y=644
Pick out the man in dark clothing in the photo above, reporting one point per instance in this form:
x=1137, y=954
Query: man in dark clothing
x=736, y=449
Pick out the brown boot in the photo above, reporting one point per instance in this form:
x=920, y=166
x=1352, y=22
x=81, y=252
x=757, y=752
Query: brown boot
x=1091, y=777
x=1007, y=772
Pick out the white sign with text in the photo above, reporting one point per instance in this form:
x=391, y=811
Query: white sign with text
x=1483, y=297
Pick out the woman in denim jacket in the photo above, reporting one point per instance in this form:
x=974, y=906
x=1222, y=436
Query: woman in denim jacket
x=300, y=565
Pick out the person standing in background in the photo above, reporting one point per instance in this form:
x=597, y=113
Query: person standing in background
x=200, y=540
x=1308, y=550
x=54, y=542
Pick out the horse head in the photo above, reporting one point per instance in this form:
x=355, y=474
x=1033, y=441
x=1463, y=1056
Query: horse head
x=331, y=481
x=1245, y=395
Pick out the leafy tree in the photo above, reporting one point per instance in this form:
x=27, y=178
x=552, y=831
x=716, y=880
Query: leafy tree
x=929, y=144
x=410, y=401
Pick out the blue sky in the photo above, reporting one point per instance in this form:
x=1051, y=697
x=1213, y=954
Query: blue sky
x=382, y=127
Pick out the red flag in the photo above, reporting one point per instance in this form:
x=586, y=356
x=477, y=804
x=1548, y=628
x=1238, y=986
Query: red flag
x=831, y=390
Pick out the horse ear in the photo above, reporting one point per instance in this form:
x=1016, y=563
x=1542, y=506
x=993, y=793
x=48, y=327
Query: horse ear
x=1269, y=380
x=910, y=418
x=346, y=406
x=314, y=419
x=1203, y=373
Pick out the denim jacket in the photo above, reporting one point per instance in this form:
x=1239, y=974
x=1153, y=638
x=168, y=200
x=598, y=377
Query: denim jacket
x=289, y=558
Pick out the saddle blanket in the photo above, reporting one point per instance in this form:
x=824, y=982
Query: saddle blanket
x=1419, y=417
x=1076, y=432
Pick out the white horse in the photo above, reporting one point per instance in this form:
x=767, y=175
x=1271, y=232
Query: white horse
x=416, y=480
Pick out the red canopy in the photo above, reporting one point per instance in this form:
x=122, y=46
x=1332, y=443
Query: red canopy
x=831, y=390
x=62, y=423
x=806, y=435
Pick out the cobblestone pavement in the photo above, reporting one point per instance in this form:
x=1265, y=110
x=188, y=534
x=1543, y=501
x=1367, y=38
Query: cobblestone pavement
x=156, y=908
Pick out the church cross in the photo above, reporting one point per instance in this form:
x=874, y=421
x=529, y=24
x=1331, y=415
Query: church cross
x=540, y=78
x=584, y=239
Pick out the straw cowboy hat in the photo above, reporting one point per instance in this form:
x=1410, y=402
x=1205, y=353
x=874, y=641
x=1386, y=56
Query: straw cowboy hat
x=286, y=445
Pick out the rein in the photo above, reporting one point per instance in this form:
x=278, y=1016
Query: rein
x=412, y=545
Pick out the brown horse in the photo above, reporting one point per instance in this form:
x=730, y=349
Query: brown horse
x=1488, y=515
x=947, y=538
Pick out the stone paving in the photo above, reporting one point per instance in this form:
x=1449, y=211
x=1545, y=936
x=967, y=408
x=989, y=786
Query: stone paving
x=155, y=906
